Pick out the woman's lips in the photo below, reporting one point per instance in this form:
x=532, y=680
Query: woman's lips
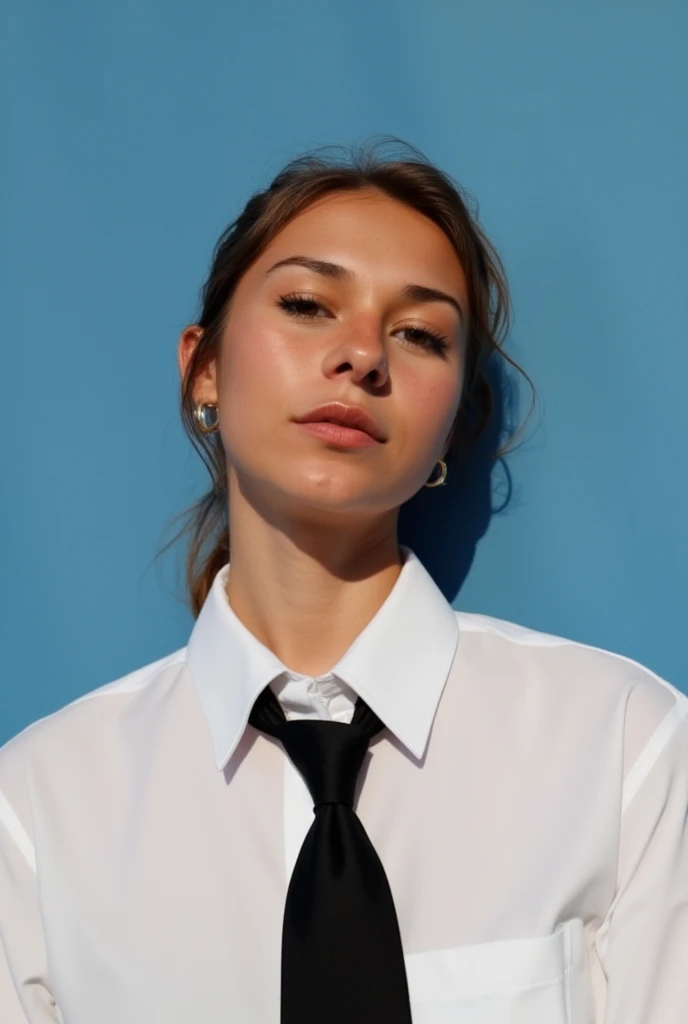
x=346, y=437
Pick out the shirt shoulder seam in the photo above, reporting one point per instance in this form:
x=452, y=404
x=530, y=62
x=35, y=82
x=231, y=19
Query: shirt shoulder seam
x=651, y=752
x=16, y=831
x=553, y=640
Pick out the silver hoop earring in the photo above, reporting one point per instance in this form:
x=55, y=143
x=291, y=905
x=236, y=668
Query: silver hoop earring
x=207, y=417
x=442, y=477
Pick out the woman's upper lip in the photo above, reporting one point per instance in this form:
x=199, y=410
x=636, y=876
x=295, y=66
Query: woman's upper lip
x=347, y=415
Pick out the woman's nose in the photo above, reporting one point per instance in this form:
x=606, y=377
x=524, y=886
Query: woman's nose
x=360, y=351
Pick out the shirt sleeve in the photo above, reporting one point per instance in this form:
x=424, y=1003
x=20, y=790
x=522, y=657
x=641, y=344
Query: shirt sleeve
x=642, y=944
x=25, y=996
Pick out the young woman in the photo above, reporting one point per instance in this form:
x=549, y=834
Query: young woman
x=343, y=800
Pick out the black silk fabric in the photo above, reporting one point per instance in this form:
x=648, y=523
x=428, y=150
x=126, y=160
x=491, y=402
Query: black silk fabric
x=342, y=957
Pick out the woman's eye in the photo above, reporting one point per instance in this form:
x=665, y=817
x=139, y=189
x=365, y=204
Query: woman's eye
x=299, y=305
x=305, y=307
x=427, y=339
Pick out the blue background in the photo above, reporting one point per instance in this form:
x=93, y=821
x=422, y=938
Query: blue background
x=136, y=132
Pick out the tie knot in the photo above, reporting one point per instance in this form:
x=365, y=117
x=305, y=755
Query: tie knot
x=329, y=755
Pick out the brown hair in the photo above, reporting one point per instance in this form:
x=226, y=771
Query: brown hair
x=413, y=180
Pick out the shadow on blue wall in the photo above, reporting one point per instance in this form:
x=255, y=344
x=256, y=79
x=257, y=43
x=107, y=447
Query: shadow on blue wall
x=444, y=525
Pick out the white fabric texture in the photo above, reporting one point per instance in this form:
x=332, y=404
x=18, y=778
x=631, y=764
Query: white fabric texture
x=528, y=799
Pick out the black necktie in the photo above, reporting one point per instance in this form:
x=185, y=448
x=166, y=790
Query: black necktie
x=342, y=958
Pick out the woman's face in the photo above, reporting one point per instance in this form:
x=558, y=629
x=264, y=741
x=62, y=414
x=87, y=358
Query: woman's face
x=296, y=338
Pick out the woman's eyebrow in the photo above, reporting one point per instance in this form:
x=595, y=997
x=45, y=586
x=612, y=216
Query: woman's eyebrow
x=414, y=292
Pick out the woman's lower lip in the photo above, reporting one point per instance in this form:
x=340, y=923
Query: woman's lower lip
x=337, y=434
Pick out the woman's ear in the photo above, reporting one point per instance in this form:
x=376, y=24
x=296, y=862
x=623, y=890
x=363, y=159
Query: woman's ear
x=205, y=384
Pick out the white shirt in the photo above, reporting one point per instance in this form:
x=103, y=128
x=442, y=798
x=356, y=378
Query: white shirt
x=528, y=800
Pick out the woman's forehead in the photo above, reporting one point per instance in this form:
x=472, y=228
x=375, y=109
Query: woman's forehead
x=368, y=230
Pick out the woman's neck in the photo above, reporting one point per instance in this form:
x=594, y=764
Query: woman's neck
x=307, y=592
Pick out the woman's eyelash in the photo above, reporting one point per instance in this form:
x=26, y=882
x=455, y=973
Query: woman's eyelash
x=435, y=341
x=294, y=305
x=287, y=302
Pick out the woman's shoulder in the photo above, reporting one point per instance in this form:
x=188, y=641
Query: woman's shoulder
x=100, y=707
x=568, y=667
x=84, y=747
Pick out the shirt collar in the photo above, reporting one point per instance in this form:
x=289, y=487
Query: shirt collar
x=398, y=663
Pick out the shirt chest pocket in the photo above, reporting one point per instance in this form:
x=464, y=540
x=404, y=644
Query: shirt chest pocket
x=541, y=980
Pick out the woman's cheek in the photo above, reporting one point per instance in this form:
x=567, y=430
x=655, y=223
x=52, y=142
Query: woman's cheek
x=434, y=405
